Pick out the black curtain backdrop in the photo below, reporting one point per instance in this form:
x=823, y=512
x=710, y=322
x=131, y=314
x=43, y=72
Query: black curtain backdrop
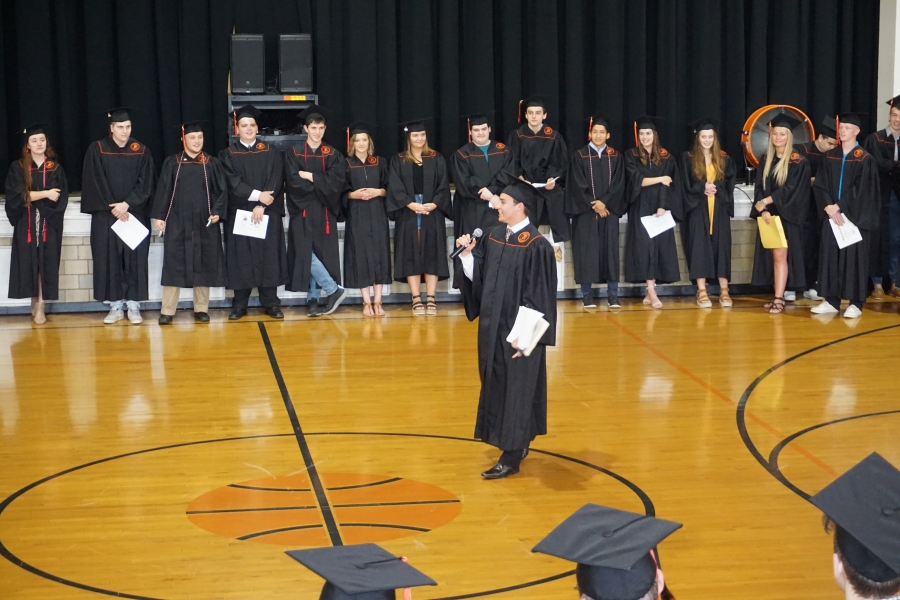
x=388, y=61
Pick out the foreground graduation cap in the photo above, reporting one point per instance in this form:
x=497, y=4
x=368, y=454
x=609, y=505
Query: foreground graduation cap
x=360, y=572
x=853, y=118
x=34, y=129
x=311, y=112
x=247, y=112
x=895, y=101
x=704, y=123
x=864, y=502
x=518, y=190
x=786, y=120
x=828, y=127
x=119, y=114
x=612, y=548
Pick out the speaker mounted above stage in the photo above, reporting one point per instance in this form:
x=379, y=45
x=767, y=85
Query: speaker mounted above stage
x=295, y=61
x=248, y=64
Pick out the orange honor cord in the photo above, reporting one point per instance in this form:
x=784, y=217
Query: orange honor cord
x=590, y=127
x=519, y=113
x=469, y=128
x=234, y=118
x=183, y=144
x=635, y=134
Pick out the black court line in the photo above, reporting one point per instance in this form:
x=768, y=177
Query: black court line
x=365, y=485
x=328, y=516
x=250, y=536
x=386, y=526
x=741, y=417
x=240, y=510
x=268, y=489
x=409, y=503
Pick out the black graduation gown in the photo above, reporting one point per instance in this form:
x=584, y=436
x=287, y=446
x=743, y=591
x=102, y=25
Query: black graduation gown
x=512, y=405
x=812, y=226
x=538, y=157
x=470, y=172
x=36, y=243
x=791, y=203
x=881, y=147
x=645, y=257
x=111, y=175
x=253, y=262
x=367, y=236
x=419, y=252
x=707, y=256
x=595, y=240
x=192, y=252
x=314, y=208
x=844, y=273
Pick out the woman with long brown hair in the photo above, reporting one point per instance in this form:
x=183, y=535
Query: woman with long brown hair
x=36, y=197
x=419, y=200
x=708, y=175
x=652, y=189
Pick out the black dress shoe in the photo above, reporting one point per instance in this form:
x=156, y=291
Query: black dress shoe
x=275, y=312
x=237, y=313
x=312, y=308
x=165, y=319
x=334, y=300
x=201, y=317
x=499, y=471
x=613, y=300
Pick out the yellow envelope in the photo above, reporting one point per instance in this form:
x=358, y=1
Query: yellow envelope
x=772, y=235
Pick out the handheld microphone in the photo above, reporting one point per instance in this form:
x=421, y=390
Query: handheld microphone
x=475, y=235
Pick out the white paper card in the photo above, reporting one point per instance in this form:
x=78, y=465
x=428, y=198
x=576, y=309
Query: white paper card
x=530, y=325
x=131, y=231
x=244, y=226
x=847, y=234
x=542, y=185
x=656, y=225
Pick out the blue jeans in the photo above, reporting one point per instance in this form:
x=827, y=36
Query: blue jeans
x=891, y=231
x=125, y=304
x=320, y=279
x=612, y=285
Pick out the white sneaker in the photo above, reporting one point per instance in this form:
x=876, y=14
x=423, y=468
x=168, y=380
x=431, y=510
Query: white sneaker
x=824, y=309
x=790, y=296
x=852, y=312
x=134, y=315
x=115, y=315
x=812, y=294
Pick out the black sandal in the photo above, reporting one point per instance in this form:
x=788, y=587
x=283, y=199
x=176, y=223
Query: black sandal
x=430, y=306
x=777, y=306
x=418, y=308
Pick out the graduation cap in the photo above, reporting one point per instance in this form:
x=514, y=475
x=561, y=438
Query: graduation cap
x=785, y=120
x=192, y=126
x=645, y=122
x=414, y=125
x=475, y=119
x=612, y=548
x=520, y=191
x=312, y=112
x=532, y=100
x=359, y=127
x=829, y=127
x=360, y=572
x=120, y=114
x=34, y=129
x=864, y=502
x=895, y=101
x=247, y=112
x=853, y=118
x=703, y=124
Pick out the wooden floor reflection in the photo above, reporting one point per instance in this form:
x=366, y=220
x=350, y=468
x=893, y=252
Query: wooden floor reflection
x=164, y=463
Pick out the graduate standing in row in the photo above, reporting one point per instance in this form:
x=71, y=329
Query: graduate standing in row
x=781, y=190
x=37, y=194
x=367, y=237
x=514, y=266
x=708, y=176
x=814, y=153
x=315, y=174
x=541, y=158
x=419, y=200
x=476, y=170
x=595, y=199
x=652, y=188
x=191, y=199
x=117, y=184
x=254, y=173
x=846, y=187
x=884, y=248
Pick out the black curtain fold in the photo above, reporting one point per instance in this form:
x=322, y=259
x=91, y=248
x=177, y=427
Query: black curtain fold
x=387, y=61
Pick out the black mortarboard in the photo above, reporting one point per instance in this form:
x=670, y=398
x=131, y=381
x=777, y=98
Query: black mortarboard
x=360, y=572
x=785, y=120
x=895, y=101
x=704, y=123
x=414, y=125
x=313, y=111
x=612, y=548
x=647, y=122
x=361, y=127
x=599, y=119
x=853, y=118
x=192, y=126
x=482, y=118
x=34, y=129
x=828, y=127
x=120, y=114
x=534, y=100
x=248, y=111
x=520, y=191
x=864, y=502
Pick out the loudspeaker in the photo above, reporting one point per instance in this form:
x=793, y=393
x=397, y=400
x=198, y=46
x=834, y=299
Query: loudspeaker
x=248, y=64
x=295, y=61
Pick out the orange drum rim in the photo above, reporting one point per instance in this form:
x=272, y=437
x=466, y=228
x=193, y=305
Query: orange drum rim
x=753, y=120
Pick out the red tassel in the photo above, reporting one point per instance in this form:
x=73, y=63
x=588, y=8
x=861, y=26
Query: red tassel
x=183, y=145
x=327, y=224
x=45, y=231
x=29, y=223
x=304, y=213
x=590, y=127
x=519, y=113
x=234, y=118
x=407, y=592
x=636, y=135
x=469, y=127
x=348, y=140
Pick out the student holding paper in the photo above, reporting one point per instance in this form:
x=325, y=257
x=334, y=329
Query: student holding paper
x=781, y=199
x=511, y=270
x=118, y=181
x=846, y=189
x=191, y=199
x=708, y=175
x=36, y=197
x=652, y=189
x=254, y=173
x=367, y=238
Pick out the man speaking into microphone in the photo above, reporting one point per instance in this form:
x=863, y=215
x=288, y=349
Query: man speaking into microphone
x=512, y=266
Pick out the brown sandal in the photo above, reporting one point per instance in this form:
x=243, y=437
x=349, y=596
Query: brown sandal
x=430, y=306
x=418, y=308
x=379, y=310
x=776, y=306
x=725, y=298
x=367, y=309
x=703, y=300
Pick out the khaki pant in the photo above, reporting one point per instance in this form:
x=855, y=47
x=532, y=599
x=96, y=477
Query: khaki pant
x=170, y=300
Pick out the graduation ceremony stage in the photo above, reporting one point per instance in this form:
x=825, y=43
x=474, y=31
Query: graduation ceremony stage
x=183, y=462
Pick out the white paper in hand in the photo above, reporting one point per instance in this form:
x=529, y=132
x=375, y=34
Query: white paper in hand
x=656, y=225
x=131, y=231
x=530, y=325
x=542, y=185
x=244, y=226
x=846, y=234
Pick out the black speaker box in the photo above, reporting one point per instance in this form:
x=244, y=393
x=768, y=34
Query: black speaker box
x=295, y=61
x=248, y=64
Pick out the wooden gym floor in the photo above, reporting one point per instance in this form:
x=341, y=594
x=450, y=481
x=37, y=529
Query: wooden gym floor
x=182, y=462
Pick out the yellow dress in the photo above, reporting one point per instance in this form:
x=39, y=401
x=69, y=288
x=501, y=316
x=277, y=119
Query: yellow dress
x=711, y=200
